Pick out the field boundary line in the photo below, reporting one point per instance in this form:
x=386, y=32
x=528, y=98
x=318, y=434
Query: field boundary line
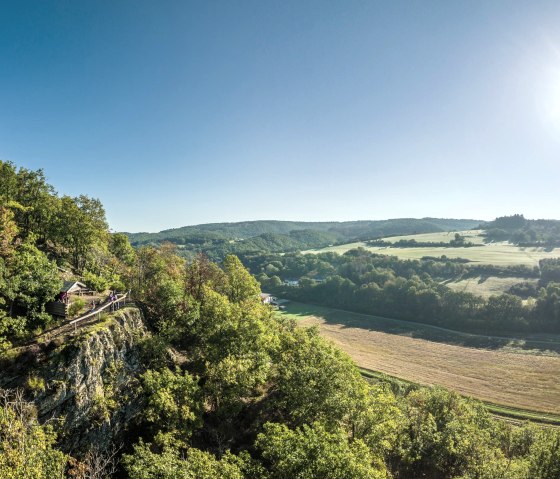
x=438, y=328
x=503, y=411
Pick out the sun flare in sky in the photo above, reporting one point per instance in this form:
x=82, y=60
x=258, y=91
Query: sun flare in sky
x=550, y=102
x=207, y=108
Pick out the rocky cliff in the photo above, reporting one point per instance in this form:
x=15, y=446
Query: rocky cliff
x=85, y=381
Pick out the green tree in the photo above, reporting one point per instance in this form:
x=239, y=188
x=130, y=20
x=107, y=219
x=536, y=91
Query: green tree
x=26, y=448
x=8, y=231
x=81, y=228
x=171, y=464
x=173, y=401
x=122, y=249
x=31, y=280
x=240, y=284
x=315, y=380
x=446, y=436
x=545, y=455
x=312, y=452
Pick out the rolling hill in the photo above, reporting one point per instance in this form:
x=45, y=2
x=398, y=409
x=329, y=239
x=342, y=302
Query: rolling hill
x=218, y=239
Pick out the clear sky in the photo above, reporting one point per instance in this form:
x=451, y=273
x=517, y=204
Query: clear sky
x=185, y=112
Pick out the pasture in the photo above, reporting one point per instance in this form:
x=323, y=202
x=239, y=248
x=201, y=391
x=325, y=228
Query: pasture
x=499, y=254
x=487, y=286
x=472, y=236
x=519, y=373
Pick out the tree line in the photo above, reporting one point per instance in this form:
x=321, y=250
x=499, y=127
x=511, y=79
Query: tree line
x=523, y=232
x=369, y=283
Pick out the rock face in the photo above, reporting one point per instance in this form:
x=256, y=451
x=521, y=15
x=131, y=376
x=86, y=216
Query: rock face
x=88, y=383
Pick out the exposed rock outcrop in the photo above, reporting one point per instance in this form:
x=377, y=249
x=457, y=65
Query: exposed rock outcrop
x=86, y=382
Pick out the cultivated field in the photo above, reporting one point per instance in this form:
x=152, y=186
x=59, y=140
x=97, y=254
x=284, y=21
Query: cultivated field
x=500, y=254
x=471, y=236
x=516, y=373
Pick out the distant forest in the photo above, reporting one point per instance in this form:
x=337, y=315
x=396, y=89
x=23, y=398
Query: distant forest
x=519, y=230
x=220, y=239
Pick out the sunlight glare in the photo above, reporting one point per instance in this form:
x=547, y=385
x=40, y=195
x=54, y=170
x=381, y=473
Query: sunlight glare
x=550, y=103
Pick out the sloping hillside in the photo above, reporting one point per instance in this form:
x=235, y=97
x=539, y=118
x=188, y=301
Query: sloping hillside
x=219, y=239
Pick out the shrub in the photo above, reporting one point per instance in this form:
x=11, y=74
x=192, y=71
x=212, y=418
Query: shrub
x=95, y=282
x=36, y=384
x=76, y=307
x=117, y=285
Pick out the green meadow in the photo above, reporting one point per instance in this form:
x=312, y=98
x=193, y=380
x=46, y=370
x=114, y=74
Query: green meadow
x=499, y=254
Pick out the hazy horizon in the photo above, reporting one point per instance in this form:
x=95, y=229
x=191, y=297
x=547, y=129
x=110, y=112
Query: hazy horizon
x=187, y=113
x=325, y=221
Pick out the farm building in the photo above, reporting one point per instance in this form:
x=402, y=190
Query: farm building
x=268, y=298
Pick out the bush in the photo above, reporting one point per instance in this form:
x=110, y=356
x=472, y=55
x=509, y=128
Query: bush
x=76, y=307
x=117, y=285
x=36, y=384
x=96, y=282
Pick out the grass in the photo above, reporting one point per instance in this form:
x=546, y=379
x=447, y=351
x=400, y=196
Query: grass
x=472, y=236
x=499, y=254
x=486, y=286
x=512, y=373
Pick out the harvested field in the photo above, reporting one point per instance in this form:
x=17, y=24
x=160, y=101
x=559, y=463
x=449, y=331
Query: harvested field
x=499, y=370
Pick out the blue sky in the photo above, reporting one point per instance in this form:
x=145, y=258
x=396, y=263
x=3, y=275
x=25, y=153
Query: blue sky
x=185, y=112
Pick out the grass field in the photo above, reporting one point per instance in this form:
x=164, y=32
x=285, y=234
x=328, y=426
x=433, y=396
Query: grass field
x=499, y=254
x=522, y=373
x=472, y=236
x=486, y=286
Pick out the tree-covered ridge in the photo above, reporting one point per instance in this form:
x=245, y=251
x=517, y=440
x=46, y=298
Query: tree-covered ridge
x=43, y=237
x=519, y=230
x=219, y=239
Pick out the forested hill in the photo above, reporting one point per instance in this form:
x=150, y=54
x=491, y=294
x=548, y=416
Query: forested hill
x=218, y=239
x=524, y=232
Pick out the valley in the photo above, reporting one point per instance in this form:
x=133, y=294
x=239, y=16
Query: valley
x=498, y=254
x=520, y=373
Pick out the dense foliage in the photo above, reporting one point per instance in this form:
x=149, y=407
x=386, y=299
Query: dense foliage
x=26, y=447
x=220, y=239
x=413, y=290
x=43, y=235
x=519, y=230
x=256, y=397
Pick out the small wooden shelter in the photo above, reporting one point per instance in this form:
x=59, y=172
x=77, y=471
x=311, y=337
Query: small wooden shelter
x=63, y=300
x=74, y=287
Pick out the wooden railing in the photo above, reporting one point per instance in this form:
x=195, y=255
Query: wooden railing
x=98, y=311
